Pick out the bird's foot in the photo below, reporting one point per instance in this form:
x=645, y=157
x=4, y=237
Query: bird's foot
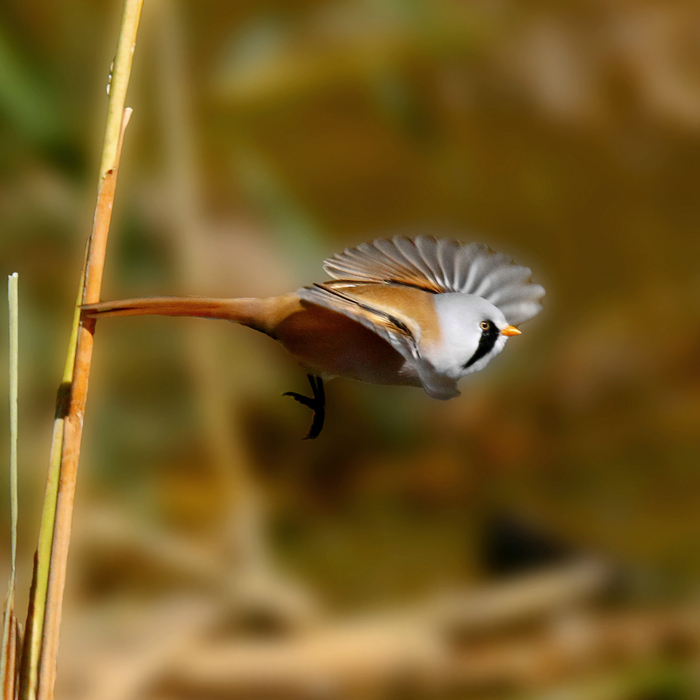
x=317, y=404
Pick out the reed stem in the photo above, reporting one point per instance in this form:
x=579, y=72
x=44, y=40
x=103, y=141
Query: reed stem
x=38, y=673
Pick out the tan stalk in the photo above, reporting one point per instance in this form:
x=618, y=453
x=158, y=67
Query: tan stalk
x=243, y=528
x=38, y=671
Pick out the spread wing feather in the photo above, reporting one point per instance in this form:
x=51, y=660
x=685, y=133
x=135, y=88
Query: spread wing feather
x=401, y=333
x=442, y=265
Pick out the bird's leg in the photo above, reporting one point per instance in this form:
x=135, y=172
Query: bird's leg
x=317, y=404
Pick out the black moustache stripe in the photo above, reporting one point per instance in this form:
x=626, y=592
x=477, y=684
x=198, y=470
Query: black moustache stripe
x=486, y=344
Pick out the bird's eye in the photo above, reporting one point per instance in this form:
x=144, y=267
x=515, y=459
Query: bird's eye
x=485, y=326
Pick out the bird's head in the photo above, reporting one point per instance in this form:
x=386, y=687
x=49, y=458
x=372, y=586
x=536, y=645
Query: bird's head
x=472, y=332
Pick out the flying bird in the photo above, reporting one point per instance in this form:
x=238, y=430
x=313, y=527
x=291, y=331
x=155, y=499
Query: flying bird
x=421, y=312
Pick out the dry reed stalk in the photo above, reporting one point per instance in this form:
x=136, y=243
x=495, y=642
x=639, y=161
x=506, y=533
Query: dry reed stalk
x=243, y=527
x=38, y=671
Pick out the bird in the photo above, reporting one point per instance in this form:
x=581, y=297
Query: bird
x=421, y=311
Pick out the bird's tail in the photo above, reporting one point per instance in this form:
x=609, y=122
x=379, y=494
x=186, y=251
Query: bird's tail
x=249, y=312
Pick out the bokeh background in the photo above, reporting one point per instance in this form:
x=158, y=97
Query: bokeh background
x=537, y=537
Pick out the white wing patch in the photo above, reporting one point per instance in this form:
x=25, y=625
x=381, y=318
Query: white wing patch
x=443, y=265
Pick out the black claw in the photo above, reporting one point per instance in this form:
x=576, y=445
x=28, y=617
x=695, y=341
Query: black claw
x=317, y=404
x=304, y=400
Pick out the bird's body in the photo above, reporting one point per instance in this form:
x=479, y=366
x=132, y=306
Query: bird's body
x=419, y=312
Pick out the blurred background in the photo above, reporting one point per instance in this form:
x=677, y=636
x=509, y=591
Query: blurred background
x=537, y=537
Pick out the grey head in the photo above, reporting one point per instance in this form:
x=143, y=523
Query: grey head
x=471, y=334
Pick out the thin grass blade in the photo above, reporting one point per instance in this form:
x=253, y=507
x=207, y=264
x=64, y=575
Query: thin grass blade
x=8, y=653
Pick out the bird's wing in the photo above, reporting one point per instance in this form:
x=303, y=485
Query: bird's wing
x=399, y=331
x=441, y=265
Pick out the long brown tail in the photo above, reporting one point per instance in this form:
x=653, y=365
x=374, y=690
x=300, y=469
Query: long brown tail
x=249, y=312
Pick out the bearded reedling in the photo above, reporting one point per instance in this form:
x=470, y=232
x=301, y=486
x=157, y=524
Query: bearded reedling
x=419, y=312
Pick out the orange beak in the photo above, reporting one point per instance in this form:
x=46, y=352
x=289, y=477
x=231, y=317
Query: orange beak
x=510, y=330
